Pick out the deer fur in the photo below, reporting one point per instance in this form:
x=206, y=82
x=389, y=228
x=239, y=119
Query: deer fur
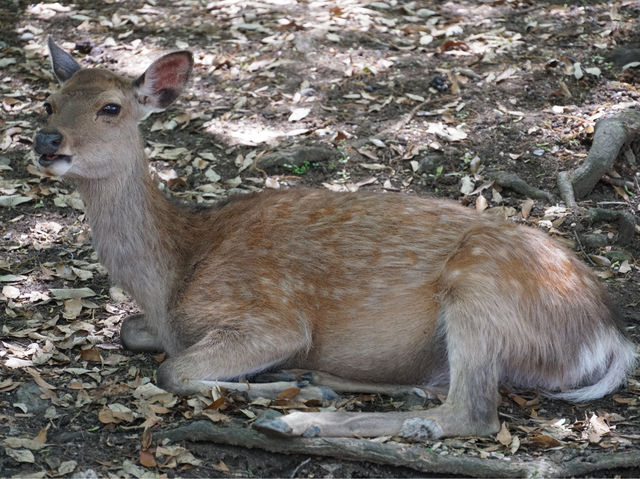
x=369, y=287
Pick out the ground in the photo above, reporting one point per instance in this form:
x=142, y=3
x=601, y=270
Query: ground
x=425, y=98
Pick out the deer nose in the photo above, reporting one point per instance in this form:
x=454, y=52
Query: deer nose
x=47, y=142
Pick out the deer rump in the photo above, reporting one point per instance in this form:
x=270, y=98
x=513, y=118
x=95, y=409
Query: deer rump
x=370, y=288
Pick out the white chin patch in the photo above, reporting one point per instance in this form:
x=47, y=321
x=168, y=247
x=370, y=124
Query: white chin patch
x=58, y=167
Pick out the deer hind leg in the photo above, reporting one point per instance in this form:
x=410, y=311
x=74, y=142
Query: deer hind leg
x=475, y=318
x=470, y=408
x=135, y=335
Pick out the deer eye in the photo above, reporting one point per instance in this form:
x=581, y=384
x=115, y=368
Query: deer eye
x=48, y=108
x=110, y=109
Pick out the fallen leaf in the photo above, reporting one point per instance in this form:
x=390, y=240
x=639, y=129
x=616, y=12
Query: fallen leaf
x=298, y=114
x=629, y=401
x=526, y=208
x=14, y=200
x=544, y=440
x=91, y=354
x=10, y=292
x=72, y=308
x=625, y=267
x=42, y=435
x=20, y=455
x=372, y=166
x=481, y=203
x=23, y=443
x=467, y=185
x=596, y=429
x=504, y=436
x=72, y=293
x=288, y=393
x=215, y=416
x=147, y=459
x=44, y=385
x=67, y=467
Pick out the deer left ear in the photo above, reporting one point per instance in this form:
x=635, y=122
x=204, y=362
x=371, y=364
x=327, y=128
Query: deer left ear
x=164, y=80
x=64, y=66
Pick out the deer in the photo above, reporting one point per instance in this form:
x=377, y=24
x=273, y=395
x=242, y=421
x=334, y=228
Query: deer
x=363, y=288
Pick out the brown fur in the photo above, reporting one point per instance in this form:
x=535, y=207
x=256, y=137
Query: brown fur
x=381, y=288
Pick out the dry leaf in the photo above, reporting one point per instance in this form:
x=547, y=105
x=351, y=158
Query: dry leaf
x=215, y=416
x=288, y=393
x=504, y=436
x=372, y=166
x=72, y=308
x=42, y=435
x=67, y=467
x=147, y=459
x=467, y=185
x=596, y=429
x=526, y=208
x=10, y=292
x=71, y=293
x=23, y=443
x=20, y=455
x=298, y=114
x=44, y=385
x=481, y=203
x=544, y=440
x=91, y=354
x=629, y=401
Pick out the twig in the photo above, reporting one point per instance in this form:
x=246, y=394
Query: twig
x=589, y=260
x=300, y=466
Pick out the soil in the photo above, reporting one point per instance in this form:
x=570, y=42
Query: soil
x=401, y=97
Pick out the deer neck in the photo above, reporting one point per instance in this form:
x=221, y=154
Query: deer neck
x=137, y=234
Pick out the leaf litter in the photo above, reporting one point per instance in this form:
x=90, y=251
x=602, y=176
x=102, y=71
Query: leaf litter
x=355, y=92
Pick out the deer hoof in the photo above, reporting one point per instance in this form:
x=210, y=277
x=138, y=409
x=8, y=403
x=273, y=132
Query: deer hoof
x=275, y=427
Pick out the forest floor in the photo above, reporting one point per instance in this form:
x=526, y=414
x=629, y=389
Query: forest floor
x=425, y=98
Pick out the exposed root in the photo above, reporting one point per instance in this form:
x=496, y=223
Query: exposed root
x=625, y=221
x=416, y=457
x=297, y=156
x=611, y=134
x=517, y=184
x=566, y=190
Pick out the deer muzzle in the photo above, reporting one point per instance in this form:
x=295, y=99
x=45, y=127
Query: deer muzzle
x=46, y=144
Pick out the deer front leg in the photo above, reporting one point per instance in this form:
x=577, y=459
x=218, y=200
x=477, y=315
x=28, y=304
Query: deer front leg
x=230, y=352
x=135, y=335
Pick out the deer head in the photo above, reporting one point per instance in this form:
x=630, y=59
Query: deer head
x=91, y=128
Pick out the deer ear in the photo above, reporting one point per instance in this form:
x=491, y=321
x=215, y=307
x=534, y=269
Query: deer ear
x=164, y=80
x=63, y=64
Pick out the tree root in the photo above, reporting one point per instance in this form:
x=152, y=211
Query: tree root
x=298, y=156
x=611, y=134
x=415, y=457
x=517, y=184
x=625, y=221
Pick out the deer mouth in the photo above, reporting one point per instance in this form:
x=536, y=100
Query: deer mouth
x=56, y=165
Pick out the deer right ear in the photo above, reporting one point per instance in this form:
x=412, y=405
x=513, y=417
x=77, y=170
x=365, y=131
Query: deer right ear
x=164, y=80
x=64, y=66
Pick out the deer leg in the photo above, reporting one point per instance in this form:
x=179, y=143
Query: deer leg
x=345, y=385
x=471, y=408
x=229, y=353
x=268, y=390
x=136, y=336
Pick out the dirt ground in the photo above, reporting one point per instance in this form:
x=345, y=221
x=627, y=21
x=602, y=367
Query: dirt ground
x=425, y=98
